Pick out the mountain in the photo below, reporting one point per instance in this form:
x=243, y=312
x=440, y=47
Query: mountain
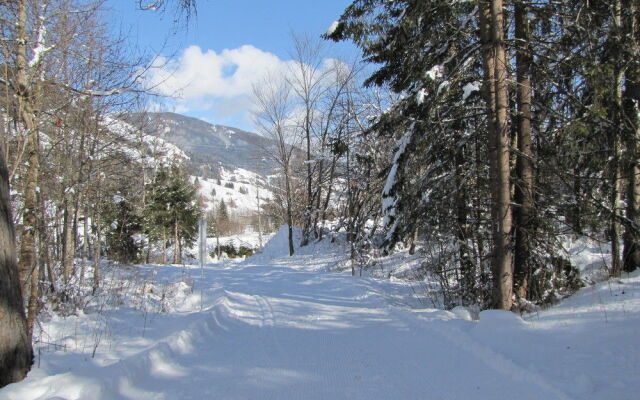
x=228, y=164
x=209, y=147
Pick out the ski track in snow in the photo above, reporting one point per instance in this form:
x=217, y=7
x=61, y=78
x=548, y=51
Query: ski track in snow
x=275, y=327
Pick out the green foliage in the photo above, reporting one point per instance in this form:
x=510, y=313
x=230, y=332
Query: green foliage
x=122, y=222
x=222, y=219
x=232, y=252
x=554, y=281
x=171, y=205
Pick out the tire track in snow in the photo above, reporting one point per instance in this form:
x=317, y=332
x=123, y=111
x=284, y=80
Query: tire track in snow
x=493, y=359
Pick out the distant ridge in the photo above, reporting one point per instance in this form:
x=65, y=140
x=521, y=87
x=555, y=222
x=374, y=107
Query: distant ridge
x=208, y=146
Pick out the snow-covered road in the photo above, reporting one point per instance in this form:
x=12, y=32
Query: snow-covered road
x=284, y=328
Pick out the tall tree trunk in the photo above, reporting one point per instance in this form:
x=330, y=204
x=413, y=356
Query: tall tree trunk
x=34, y=299
x=67, y=243
x=27, y=264
x=97, y=249
x=631, y=254
x=615, y=197
x=85, y=243
x=327, y=198
x=175, y=243
x=306, y=230
x=26, y=116
x=495, y=61
x=179, y=250
x=46, y=272
x=287, y=184
x=16, y=353
x=524, y=213
x=29, y=216
x=164, y=245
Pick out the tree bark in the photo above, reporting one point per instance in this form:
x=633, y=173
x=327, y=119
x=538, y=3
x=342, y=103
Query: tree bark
x=16, y=353
x=164, y=246
x=631, y=104
x=175, y=243
x=97, y=249
x=615, y=196
x=524, y=211
x=495, y=61
x=85, y=243
x=67, y=243
x=287, y=178
x=26, y=116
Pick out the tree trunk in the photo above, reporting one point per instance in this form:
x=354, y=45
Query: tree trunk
x=179, y=250
x=67, y=243
x=164, y=246
x=289, y=211
x=16, y=353
x=413, y=240
x=495, y=61
x=631, y=254
x=524, y=211
x=175, y=243
x=85, y=244
x=615, y=196
x=26, y=115
x=29, y=215
x=306, y=231
x=97, y=249
x=34, y=299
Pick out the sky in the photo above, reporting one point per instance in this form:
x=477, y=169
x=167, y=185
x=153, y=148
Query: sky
x=209, y=66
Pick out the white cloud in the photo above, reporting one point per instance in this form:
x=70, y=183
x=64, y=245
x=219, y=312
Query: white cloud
x=197, y=74
x=217, y=86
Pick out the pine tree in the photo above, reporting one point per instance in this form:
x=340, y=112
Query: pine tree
x=122, y=222
x=222, y=218
x=171, y=210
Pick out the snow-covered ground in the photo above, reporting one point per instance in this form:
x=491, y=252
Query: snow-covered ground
x=274, y=327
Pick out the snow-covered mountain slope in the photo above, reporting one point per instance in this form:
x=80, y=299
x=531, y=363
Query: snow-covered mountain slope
x=231, y=165
x=279, y=327
x=214, y=155
x=141, y=146
x=208, y=146
x=239, y=189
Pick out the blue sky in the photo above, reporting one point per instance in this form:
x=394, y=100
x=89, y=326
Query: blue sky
x=212, y=65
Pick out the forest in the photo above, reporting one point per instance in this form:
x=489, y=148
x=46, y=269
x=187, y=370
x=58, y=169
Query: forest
x=477, y=135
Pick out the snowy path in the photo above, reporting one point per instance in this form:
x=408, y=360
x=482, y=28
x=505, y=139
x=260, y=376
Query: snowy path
x=287, y=329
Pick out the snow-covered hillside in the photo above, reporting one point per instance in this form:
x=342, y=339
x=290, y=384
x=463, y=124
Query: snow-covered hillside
x=229, y=164
x=144, y=147
x=282, y=327
x=238, y=188
x=208, y=146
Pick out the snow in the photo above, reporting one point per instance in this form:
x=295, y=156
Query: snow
x=420, y=96
x=332, y=28
x=284, y=327
x=469, y=88
x=436, y=72
x=164, y=151
x=389, y=202
x=237, y=203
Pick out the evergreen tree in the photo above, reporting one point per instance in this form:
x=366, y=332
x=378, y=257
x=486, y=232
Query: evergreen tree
x=471, y=146
x=171, y=210
x=222, y=219
x=122, y=222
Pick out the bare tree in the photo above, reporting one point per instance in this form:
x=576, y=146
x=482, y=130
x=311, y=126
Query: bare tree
x=273, y=117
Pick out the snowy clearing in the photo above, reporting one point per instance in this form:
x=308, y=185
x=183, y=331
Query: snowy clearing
x=274, y=327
